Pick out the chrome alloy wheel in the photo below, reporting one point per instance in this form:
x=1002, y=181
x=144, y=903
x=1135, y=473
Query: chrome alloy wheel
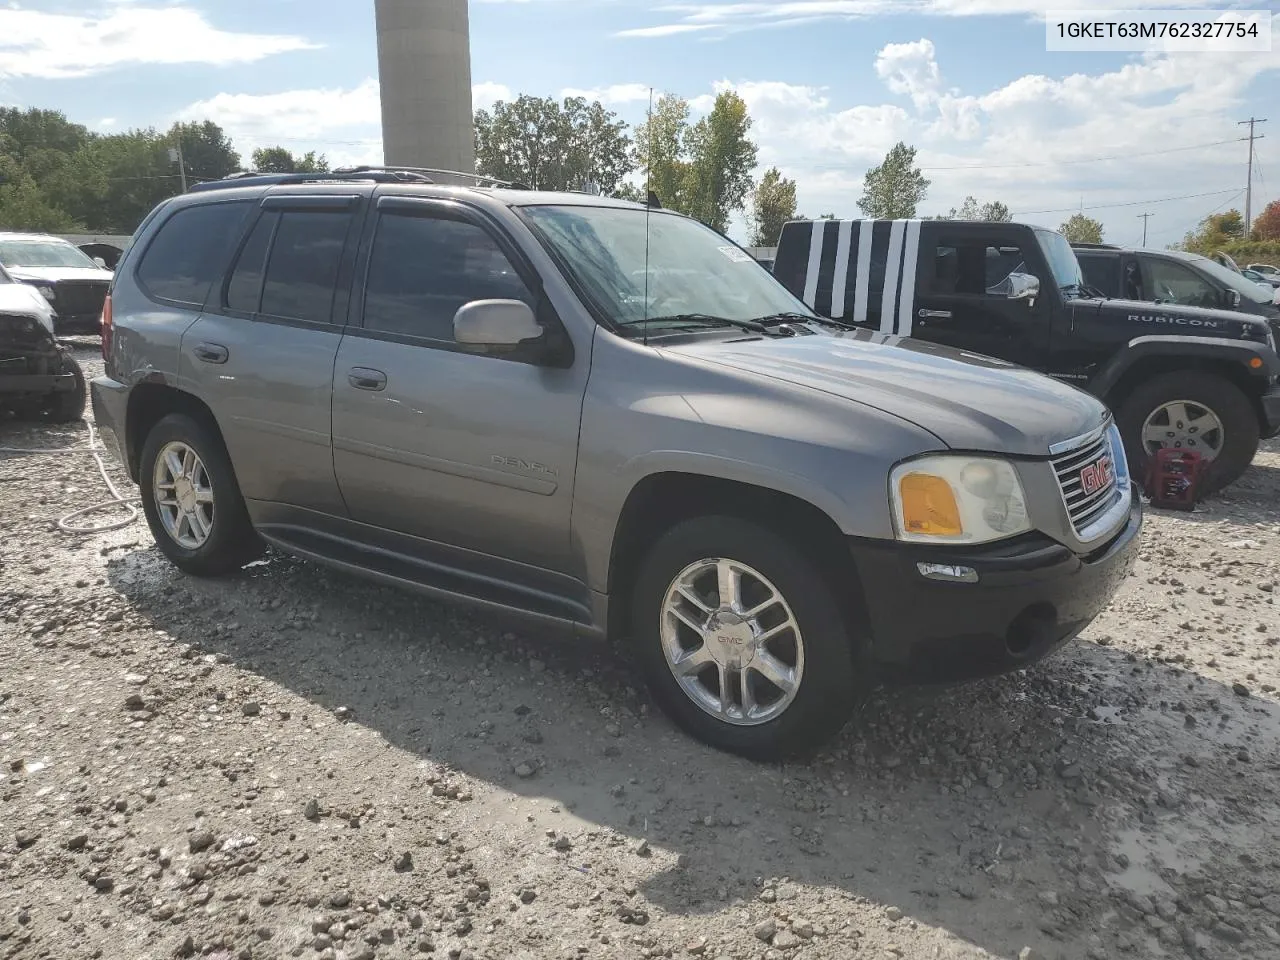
x=732, y=642
x=1184, y=425
x=183, y=495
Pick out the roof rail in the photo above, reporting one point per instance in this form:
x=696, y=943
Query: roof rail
x=479, y=179
x=254, y=179
x=1095, y=246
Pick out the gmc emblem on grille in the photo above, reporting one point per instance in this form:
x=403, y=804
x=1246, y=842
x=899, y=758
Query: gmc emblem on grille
x=1096, y=475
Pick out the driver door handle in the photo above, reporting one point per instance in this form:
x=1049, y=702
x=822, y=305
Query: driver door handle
x=364, y=378
x=934, y=314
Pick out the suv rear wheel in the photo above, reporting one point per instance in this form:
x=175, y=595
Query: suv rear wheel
x=1190, y=410
x=742, y=640
x=192, y=500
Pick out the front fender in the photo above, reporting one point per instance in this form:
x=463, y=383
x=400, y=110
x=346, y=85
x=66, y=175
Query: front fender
x=1255, y=359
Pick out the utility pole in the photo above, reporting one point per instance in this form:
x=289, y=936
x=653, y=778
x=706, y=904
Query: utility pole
x=175, y=156
x=1144, y=217
x=1248, y=190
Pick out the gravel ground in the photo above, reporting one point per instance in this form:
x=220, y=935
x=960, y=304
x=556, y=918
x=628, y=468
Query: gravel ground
x=297, y=763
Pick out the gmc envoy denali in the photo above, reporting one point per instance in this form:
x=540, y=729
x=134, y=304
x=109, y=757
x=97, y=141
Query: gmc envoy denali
x=607, y=417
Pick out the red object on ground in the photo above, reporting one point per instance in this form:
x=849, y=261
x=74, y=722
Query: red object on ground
x=1172, y=477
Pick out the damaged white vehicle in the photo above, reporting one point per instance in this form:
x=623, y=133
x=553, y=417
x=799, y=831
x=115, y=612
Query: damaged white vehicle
x=39, y=379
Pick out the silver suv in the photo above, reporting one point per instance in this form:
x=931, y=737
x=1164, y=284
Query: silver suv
x=606, y=417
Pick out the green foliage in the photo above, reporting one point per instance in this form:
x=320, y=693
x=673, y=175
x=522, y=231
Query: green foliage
x=1267, y=224
x=893, y=190
x=772, y=205
x=971, y=209
x=280, y=160
x=1082, y=229
x=660, y=150
x=721, y=158
x=1215, y=232
x=553, y=146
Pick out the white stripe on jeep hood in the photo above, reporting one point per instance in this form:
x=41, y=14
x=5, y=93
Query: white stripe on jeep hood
x=842, y=269
x=860, y=282
x=889, y=299
x=907, y=302
x=815, y=263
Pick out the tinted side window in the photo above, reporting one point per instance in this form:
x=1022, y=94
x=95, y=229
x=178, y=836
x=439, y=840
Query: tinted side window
x=186, y=255
x=421, y=270
x=1101, y=273
x=244, y=292
x=302, y=267
x=974, y=267
x=1169, y=282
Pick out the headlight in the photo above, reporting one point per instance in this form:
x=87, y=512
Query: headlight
x=957, y=499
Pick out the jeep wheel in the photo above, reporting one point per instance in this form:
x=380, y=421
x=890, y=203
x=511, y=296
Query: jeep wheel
x=69, y=407
x=1190, y=410
x=742, y=640
x=192, y=501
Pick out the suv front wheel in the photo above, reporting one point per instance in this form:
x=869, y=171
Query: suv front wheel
x=192, y=500
x=1195, y=411
x=742, y=640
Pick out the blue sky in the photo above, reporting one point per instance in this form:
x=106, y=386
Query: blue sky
x=831, y=83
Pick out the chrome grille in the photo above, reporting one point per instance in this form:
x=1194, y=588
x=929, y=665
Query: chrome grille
x=1086, y=507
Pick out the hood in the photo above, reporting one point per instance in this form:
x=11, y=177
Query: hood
x=1173, y=318
x=54, y=274
x=26, y=301
x=969, y=402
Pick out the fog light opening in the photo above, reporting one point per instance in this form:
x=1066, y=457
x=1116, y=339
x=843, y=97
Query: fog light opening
x=1032, y=628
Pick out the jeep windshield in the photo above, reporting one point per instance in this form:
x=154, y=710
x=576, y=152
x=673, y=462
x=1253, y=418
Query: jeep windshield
x=660, y=271
x=43, y=253
x=1062, y=261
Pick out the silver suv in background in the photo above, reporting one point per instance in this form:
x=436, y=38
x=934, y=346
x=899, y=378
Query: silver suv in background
x=609, y=418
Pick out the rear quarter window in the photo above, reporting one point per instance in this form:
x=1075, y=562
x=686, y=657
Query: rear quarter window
x=189, y=251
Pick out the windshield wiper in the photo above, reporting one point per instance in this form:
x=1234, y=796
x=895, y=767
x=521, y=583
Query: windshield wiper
x=774, y=318
x=695, y=321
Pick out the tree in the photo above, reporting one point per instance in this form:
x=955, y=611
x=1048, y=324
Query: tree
x=893, y=190
x=207, y=151
x=553, y=146
x=22, y=204
x=1082, y=229
x=972, y=209
x=1267, y=224
x=721, y=158
x=280, y=160
x=659, y=150
x=1214, y=232
x=772, y=205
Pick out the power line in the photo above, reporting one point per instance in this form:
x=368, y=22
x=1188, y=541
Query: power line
x=1132, y=203
x=1063, y=163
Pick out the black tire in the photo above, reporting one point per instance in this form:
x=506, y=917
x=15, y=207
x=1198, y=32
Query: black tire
x=1226, y=400
x=69, y=407
x=232, y=541
x=829, y=686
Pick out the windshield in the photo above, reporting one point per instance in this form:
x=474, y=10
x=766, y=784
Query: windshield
x=692, y=270
x=1062, y=259
x=1230, y=279
x=43, y=253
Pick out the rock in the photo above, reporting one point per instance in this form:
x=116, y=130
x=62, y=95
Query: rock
x=134, y=701
x=696, y=947
x=1225, y=931
x=25, y=838
x=765, y=929
x=563, y=844
x=312, y=810
x=1048, y=897
x=786, y=940
x=642, y=848
x=199, y=841
x=803, y=928
x=462, y=927
x=104, y=884
x=527, y=894
x=1070, y=771
x=1030, y=953
x=404, y=862
x=77, y=841
x=1239, y=689
x=893, y=913
x=322, y=941
x=426, y=944
x=524, y=770
x=340, y=900
x=251, y=709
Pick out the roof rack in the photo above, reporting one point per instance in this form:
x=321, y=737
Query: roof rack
x=377, y=174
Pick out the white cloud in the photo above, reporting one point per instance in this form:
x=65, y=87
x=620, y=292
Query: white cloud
x=51, y=45
x=485, y=95
x=618, y=93
x=733, y=15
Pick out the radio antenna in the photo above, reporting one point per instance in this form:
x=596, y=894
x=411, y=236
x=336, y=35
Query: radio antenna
x=648, y=210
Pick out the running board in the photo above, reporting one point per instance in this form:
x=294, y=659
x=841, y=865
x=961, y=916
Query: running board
x=429, y=578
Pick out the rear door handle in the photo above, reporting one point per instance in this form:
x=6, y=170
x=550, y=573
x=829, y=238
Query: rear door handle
x=934, y=314
x=211, y=352
x=363, y=378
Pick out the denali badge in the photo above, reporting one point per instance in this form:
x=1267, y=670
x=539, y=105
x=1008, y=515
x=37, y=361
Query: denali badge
x=1096, y=476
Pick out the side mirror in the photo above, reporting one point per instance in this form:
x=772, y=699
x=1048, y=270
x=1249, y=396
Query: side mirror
x=1233, y=299
x=100, y=262
x=496, y=325
x=1017, y=286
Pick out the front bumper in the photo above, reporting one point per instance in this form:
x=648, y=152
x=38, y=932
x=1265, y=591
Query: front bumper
x=1271, y=412
x=110, y=410
x=1032, y=595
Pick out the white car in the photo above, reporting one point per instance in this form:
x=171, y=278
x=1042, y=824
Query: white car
x=38, y=376
x=73, y=283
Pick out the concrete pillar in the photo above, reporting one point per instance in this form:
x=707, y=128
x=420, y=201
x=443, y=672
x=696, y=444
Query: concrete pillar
x=424, y=62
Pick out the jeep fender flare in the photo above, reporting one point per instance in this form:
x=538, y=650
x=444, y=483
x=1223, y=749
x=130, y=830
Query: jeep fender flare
x=1255, y=359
